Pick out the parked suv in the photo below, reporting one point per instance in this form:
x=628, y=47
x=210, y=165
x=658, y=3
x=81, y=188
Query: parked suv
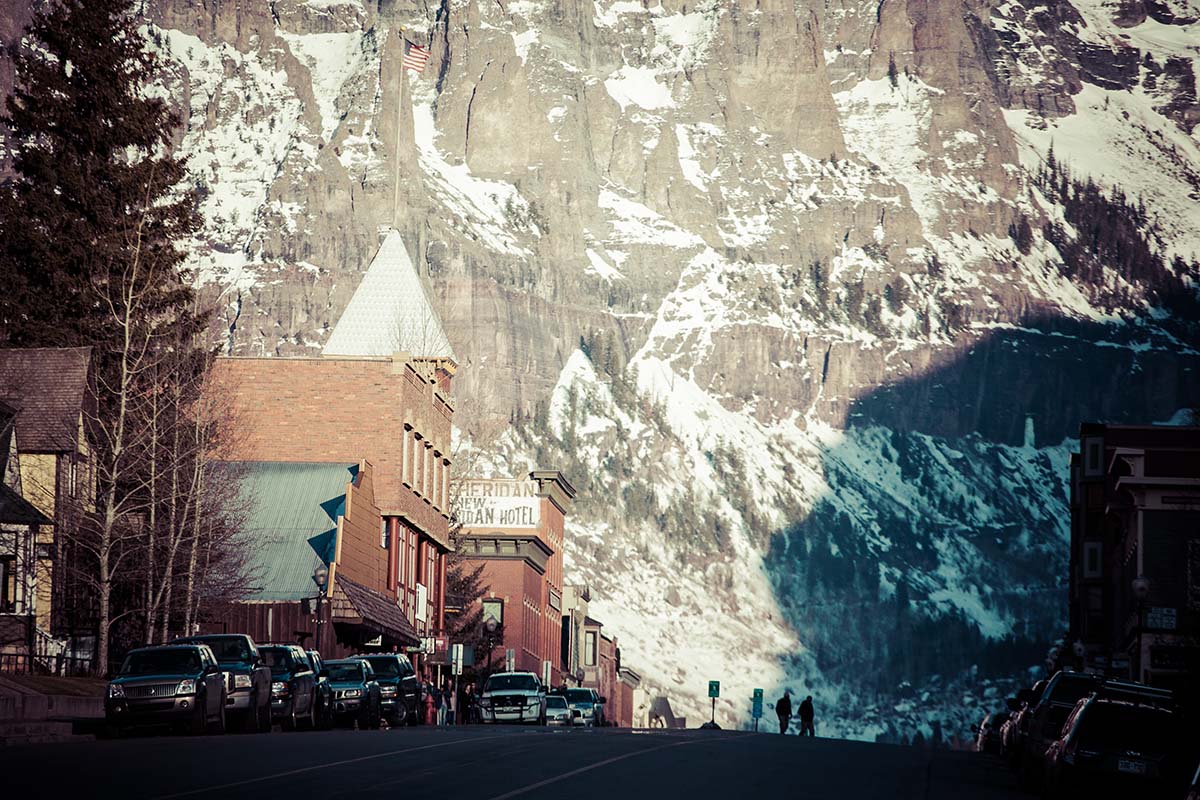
x=513, y=697
x=293, y=685
x=1045, y=719
x=398, y=686
x=1113, y=747
x=356, y=695
x=250, y=696
x=589, y=704
x=177, y=684
x=324, y=697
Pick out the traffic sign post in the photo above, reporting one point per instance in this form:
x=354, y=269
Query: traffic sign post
x=714, y=691
x=456, y=659
x=756, y=708
x=510, y=660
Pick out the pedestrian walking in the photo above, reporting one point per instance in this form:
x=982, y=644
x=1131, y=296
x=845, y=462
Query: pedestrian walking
x=469, y=704
x=451, y=702
x=783, y=708
x=439, y=707
x=806, y=718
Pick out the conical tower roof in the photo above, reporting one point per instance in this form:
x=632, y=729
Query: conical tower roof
x=390, y=312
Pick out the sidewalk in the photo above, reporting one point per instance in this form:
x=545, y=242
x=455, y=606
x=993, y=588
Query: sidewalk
x=37, y=709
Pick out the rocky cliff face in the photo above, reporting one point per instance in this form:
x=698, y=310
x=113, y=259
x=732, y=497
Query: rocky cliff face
x=789, y=234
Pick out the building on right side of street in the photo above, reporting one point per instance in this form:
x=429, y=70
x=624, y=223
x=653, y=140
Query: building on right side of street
x=1135, y=554
x=514, y=529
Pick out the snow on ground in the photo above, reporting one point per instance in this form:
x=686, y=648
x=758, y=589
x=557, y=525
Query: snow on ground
x=491, y=208
x=1117, y=138
x=634, y=223
x=330, y=58
x=236, y=158
x=904, y=112
x=638, y=86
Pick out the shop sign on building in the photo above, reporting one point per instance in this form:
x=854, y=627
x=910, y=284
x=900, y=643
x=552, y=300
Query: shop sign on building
x=499, y=504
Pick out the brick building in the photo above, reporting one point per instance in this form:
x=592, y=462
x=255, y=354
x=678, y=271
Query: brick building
x=601, y=665
x=1135, y=553
x=379, y=393
x=515, y=529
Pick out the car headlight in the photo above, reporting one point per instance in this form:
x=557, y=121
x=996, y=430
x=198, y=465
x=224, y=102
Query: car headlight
x=241, y=682
x=533, y=701
x=186, y=687
x=485, y=702
x=353, y=693
x=387, y=689
x=278, y=687
x=116, y=690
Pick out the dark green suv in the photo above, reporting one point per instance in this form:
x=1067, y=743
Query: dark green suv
x=249, y=697
x=293, y=686
x=356, y=695
x=177, y=684
x=398, y=687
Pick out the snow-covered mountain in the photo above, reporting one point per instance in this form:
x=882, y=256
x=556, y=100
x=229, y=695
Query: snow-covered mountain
x=808, y=298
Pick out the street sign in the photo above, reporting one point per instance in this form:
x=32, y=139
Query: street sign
x=1162, y=619
x=714, y=688
x=456, y=659
x=510, y=660
x=758, y=704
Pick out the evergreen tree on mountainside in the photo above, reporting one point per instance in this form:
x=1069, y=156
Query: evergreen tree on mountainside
x=97, y=187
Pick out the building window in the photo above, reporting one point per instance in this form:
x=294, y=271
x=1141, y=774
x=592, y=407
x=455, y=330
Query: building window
x=1093, y=456
x=72, y=477
x=493, y=609
x=1092, y=552
x=589, y=649
x=383, y=533
x=8, y=584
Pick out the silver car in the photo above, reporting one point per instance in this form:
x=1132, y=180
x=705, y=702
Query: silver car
x=513, y=697
x=558, y=712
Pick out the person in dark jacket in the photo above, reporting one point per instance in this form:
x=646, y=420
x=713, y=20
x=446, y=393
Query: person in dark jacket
x=806, y=718
x=783, y=708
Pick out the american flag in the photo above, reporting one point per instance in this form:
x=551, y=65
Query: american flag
x=415, y=57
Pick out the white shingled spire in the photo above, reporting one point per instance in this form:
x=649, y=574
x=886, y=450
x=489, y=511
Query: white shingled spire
x=391, y=311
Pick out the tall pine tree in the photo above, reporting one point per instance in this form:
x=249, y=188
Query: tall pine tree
x=88, y=256
x=97, y=185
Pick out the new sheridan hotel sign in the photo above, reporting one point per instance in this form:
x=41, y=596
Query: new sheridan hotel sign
x=499, y=504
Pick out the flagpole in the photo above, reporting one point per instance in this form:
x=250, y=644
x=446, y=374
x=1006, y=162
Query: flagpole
x=396, y=149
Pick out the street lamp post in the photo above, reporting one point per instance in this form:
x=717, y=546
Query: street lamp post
x=490, y=626
x=1141, y=592
x=320, y=577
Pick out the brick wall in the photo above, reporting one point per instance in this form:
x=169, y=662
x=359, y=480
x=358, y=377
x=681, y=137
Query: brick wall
x=335, y=409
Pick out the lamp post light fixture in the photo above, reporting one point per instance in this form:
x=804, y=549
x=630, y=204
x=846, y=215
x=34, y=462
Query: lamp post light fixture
x=490, y=626
x=320, y=577
x=1140, y=586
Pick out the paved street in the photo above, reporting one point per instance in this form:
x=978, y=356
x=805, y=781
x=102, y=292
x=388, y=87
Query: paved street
x=499, y=763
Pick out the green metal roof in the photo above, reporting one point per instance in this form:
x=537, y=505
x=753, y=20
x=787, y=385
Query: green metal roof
x=291, y=521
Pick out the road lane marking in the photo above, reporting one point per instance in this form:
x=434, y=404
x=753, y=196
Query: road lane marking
x=314, y=767
x=548, y=781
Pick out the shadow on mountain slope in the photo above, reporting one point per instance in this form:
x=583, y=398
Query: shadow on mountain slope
x=941, y=543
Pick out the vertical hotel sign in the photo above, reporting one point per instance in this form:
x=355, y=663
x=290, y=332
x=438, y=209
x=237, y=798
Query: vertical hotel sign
x=499, y=504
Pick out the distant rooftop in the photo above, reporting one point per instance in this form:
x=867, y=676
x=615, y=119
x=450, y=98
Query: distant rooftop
x=391, y=311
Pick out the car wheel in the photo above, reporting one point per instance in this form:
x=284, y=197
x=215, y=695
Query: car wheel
x=218, y=726
x=199, y=721
x=264, y=717
x=289, y=722
x=251, y=720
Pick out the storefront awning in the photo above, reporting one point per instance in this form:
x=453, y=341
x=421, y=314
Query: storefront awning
x=374, y=610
